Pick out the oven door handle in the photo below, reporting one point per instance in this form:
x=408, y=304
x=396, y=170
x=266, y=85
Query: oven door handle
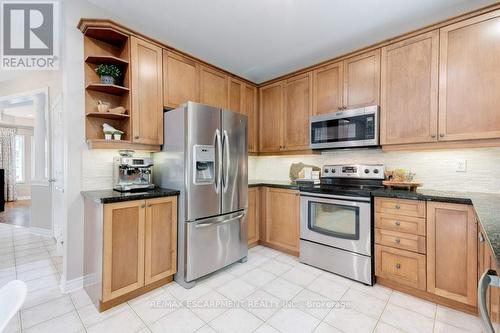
x=344, y=201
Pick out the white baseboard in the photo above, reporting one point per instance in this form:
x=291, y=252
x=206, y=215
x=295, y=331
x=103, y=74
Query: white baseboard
x=27, y=197
x=41, y=231
x=69, y=286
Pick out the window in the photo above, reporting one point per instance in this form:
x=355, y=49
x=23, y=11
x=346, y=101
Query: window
x=20, y=159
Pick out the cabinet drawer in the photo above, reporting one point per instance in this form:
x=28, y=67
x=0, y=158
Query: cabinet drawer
x=414, y=208
x=406, y=224
x=400, y=266
x=400, y=240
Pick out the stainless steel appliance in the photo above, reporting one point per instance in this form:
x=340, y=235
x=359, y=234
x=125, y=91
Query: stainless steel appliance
x=336, y=220
x=345, y=129
x=205, y=156
x=132, y=173
x=489, y=278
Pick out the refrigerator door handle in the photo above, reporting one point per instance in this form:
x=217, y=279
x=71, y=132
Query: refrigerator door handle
x=228, y=161
x=218, y=150
x=202, y=225
x=489, y=278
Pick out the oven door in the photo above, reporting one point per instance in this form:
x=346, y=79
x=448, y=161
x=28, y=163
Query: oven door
x=352, y=128
x=337, y=222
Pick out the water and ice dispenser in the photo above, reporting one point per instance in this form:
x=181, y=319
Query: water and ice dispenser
x=204, y=164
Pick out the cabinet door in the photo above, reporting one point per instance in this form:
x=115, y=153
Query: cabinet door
x=250, y=109
x=409, y=90
x=213, y=87
x=282, y=218
x=180, y=79
x=362, y=80
x=252, y=215
x=296, y=113
x=271, y=110
x=147, y=92
x=161, y=239
x=452, y=252
x=469, y=82
x=123, y=248
x=236, y=95
x=327, y=88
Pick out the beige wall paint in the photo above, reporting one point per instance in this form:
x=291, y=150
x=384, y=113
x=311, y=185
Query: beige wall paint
x=436, y=169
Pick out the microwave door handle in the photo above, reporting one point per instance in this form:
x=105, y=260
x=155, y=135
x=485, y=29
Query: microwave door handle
x=226, y=148
x=489, y=278
x=218, y=149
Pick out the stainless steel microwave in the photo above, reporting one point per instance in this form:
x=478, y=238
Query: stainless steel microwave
x=345, y=129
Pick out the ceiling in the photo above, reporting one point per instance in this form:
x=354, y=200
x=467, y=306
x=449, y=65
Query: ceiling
x=262, y=39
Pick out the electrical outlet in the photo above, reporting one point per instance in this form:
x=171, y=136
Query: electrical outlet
x=461, y=166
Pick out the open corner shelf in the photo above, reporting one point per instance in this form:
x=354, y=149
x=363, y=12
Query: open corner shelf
x=112, y=89
x=108, y=115
x=105, y=59
x=107, y=34
x=120, y=144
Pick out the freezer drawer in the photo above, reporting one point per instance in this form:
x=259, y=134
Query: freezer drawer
x=214, y=243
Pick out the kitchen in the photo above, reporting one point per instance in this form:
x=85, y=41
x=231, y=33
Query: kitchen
x=286, y=192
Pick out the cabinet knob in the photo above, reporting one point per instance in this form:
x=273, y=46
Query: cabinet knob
x=136, y=137
x=397, y=223
x=397, y=240
x=149, y=205
x=433, y=136
x=143, y=206
x=441, y=135
x=398, y=266
x=397, y=206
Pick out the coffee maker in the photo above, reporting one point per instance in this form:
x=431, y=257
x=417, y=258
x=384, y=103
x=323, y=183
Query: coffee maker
x=132, y=173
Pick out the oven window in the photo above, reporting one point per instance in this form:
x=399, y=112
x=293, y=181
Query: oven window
x=345, y=129
x=334, y=220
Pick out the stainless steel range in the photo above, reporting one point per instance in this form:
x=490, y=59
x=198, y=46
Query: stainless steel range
x=336, y=228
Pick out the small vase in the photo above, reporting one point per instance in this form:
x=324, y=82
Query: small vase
x=108, y=136
x=106, y=79
x=117, y=136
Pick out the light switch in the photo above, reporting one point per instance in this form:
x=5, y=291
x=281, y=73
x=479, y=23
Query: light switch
x=461, y=166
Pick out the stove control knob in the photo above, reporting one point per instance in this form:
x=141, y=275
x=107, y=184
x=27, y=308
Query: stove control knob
x=333, y=170
x=367, y=171
x=327, y=171
x=375, y=171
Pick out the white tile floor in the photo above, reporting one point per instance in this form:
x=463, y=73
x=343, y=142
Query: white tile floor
x=272, y=292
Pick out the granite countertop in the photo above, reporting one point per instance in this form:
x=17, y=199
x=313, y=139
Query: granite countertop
x=486, y=206
x=273, y=183
x=111, y=196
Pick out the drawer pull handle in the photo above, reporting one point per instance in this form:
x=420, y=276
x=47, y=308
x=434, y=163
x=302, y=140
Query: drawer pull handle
x=397, y=223
x=397, y=206
x=398, y=240
x=398, y=266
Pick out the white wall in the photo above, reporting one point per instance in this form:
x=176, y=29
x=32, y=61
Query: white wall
x=436, y=169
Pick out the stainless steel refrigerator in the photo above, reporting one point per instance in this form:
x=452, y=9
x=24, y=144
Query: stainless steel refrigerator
x=204, y=155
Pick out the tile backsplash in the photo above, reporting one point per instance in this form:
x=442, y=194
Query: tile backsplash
x=435, y=169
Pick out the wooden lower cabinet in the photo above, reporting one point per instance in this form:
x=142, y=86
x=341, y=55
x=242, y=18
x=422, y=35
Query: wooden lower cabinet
x=452, y=252
x=139, y=245
x=253, y=215
x=282, y=219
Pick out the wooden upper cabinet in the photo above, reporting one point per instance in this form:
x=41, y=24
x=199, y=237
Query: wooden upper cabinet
x=469, y=101
x=160, y=239
x=123, y=247
x=235, y=93
x=250, y=109
x=213, y=87
x=362, y=80
x=452, y=252
x=327, y=88
x=271, y=110
x=409, y=90
x=297, y=110
x=147, y=92
x=282, y=219
x=180, y=80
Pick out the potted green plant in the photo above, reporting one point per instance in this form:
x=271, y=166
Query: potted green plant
x=108, y=73
x=117, y=135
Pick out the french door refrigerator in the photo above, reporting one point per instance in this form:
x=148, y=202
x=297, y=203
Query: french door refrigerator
x=204, y=155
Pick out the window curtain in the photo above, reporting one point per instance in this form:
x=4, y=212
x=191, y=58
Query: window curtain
x=8, y=161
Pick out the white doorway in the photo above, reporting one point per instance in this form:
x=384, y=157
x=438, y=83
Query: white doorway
x=28, y=114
